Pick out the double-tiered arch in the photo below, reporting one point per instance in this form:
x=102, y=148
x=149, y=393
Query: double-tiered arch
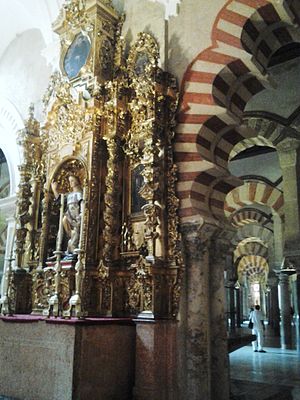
x=215, y=125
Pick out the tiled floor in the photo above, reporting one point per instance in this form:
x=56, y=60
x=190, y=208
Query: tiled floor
x=261, y=376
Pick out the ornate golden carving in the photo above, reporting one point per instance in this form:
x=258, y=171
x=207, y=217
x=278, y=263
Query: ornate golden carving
x=127, y=240
x=91, y=231
x=97, y=20
x=111, y=196
x=68, y=121
x=55, y=82
x=143, y=57
x=43, y=289
x=32, y=172
x=75, y=13
x=105, y=289
x=106, y=54
x=140, y=295
x=101, y=138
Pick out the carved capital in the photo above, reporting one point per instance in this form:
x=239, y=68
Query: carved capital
x=287, y=151
x=197, y=239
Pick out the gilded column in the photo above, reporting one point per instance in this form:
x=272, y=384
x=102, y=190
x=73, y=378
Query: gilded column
x=112, y=200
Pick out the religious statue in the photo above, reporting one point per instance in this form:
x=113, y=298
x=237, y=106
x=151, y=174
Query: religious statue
x=71, y=220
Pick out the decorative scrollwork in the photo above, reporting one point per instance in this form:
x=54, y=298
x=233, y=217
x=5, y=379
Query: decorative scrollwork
x=105, y=288
x=128, y=259
x=143, y=56
x=140, y=287
x=111, y=199
x=106, y=54
x=75, y=13
x=68, y=123
x=32, y=172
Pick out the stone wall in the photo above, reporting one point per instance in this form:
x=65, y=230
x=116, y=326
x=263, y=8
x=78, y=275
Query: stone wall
x=65, y=361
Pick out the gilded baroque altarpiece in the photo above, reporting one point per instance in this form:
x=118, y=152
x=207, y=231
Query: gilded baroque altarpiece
x=96, y=222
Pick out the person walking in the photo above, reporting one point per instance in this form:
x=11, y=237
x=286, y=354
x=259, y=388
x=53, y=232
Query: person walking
x=258, y=329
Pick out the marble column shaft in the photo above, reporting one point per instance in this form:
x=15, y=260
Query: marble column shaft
x=197, y=330
x=288, y=151
x=289, y=157
x=286, y=330
x=218, y=332
x=207, y=362
x=238, y=307
x=274, y=306
x=232, y=309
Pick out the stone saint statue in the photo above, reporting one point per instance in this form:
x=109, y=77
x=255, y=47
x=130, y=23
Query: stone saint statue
x=72, y=216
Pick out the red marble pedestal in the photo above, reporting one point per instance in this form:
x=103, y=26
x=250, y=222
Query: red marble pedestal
x=56, y=359
x=155, y=377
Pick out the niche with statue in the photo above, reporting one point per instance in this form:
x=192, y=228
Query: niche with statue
x=100, y=237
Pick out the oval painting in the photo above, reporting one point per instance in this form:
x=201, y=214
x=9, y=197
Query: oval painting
x=77, y=55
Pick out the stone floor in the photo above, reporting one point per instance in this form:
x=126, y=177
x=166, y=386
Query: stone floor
x=274, y=375
x=6, y=398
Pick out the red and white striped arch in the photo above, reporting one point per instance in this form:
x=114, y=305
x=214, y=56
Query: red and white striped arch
x=253, y=230
x=254, y=192
x=256, y=268
x=249, y=215
x=250, y=246
x=216, y=88
x=198, y=104
x=269, y=29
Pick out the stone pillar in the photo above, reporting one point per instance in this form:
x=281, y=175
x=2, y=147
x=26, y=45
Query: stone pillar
x=197, y=350
x=274, y=311
x=238, y=307
x=288, y=151
x=156, y=363
x=263, y=305
x=285, y=305
x=218, y=332
x=246, y=308
x=276, y=251
x=232, y=325
x=241, y=295
x=297, y=309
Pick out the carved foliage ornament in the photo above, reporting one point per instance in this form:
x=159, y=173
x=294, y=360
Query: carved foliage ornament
x=143, y=56
x=142, y=66
x=75, y=13
x=134, y=91
x=140, y=287
x=32, y=172
x=68, y=121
